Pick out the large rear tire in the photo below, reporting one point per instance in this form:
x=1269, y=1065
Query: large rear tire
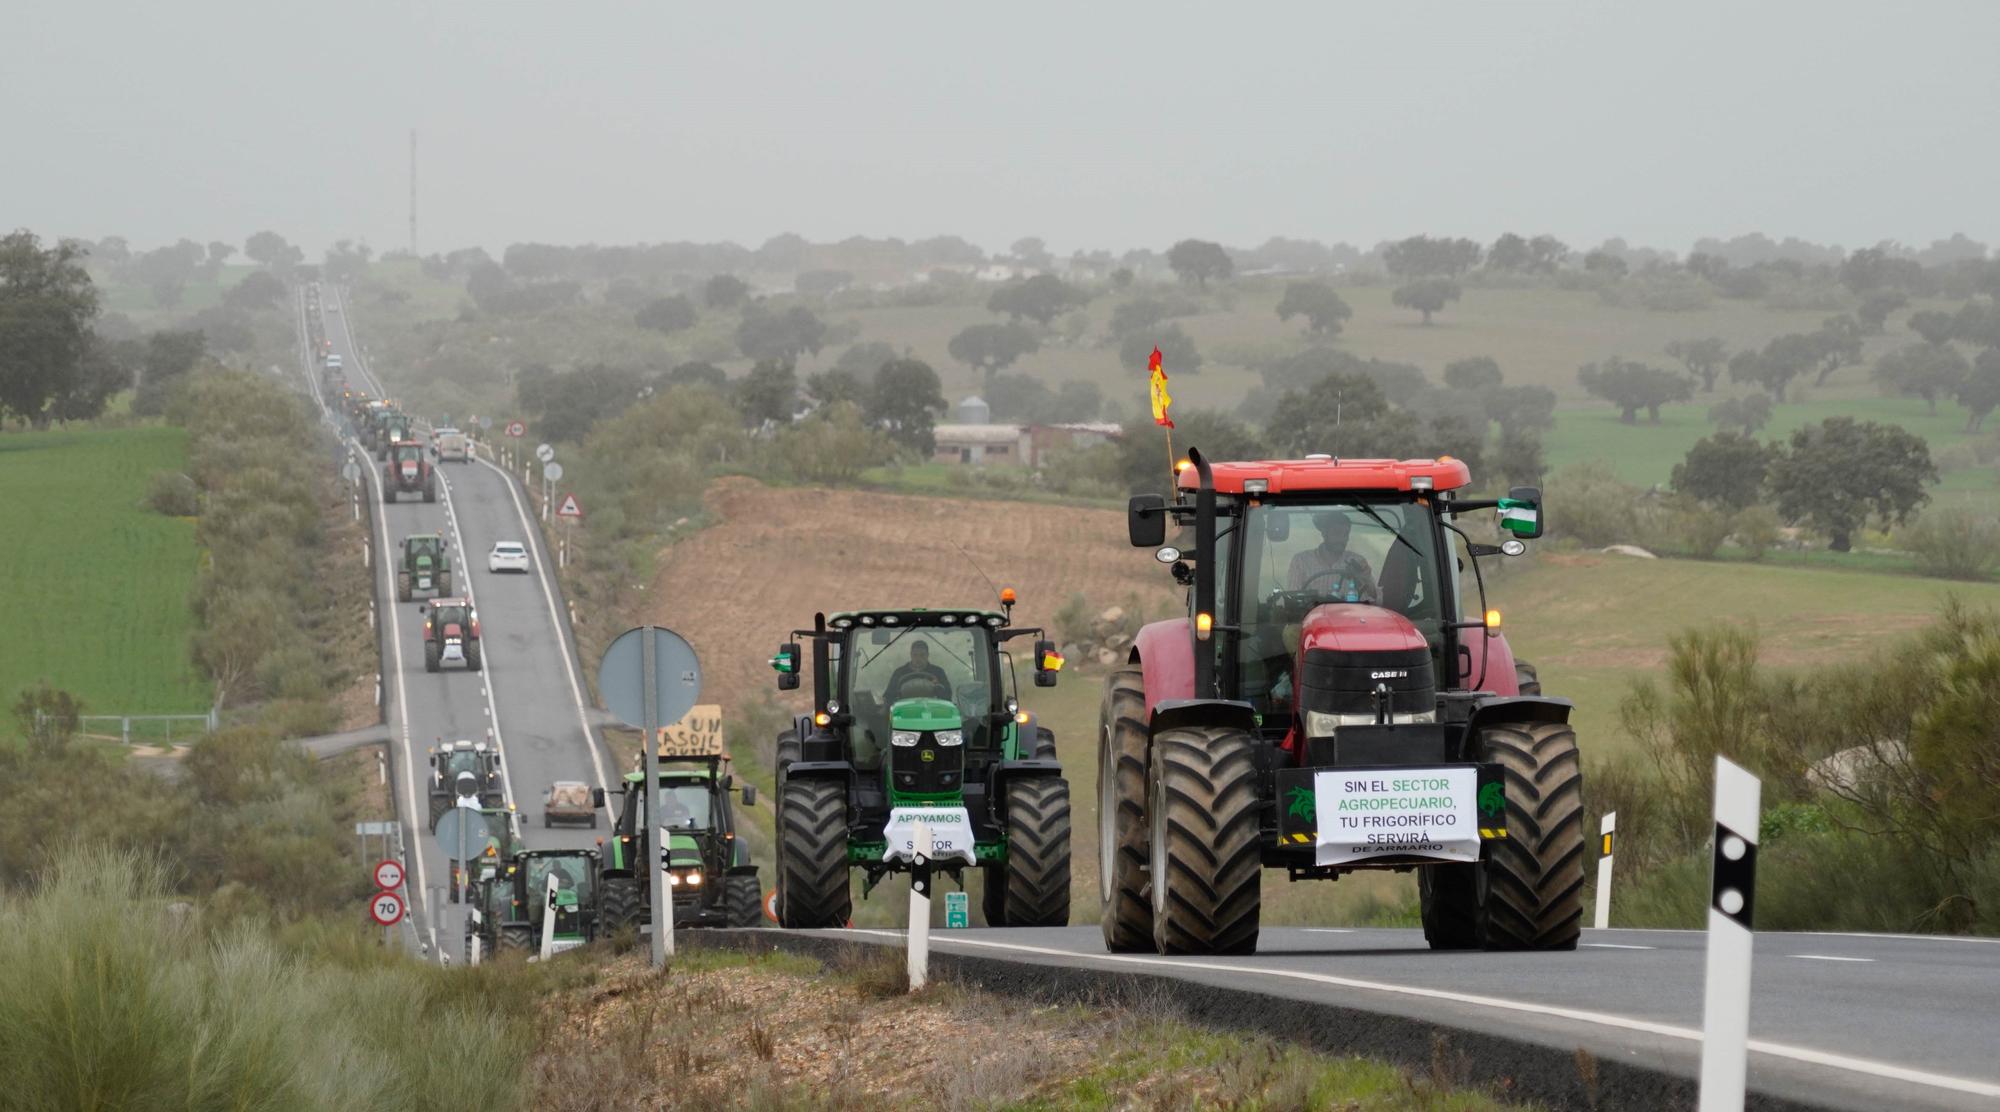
x=431, y=487
x=1045, y=744
x=1449, y=898
x=1526, y=679
x=1122, y=833
x=1532, y=895
x=518, y=938
x=624, y=906
x=812, y=854
x=403, y=586
x=432, y=658
x=993, y=894
x=474, y=656
x=438, y=807
x=443, y=584
x=1206, y=863
x=1037, y=871
x=743, y=900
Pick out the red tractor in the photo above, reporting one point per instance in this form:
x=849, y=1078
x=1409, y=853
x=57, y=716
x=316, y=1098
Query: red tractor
x=1326, y=707
x=408, y=472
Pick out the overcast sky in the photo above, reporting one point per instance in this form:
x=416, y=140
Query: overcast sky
x=1092, y=125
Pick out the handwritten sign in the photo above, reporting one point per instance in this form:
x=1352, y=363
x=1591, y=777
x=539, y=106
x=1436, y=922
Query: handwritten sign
x=1423, y=812
x=697, y=734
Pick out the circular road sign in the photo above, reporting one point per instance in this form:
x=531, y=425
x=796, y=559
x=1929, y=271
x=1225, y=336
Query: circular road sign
x=552, y=471
x=487, y=423
x=351, y=472
x=621, y=678
x=544, y=453
x=387, y=908
x=516, y=428
x=388, y=875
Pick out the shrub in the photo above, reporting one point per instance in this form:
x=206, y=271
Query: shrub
x=173, y=494
x=1955, y=542
x=1591, y=506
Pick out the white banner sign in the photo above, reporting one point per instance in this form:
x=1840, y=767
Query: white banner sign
x=1427, y=812
x=951, y=833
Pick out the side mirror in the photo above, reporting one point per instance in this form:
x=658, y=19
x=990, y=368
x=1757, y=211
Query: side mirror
x=749, y=795
x=1047, y=663
x=786, y=664
x=1521, y=513
x=597, y=799
x=1146, y=520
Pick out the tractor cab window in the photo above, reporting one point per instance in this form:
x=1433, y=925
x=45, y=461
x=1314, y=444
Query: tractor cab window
x=448, y=615
x=887, y=666
x=409, y=453
x=572, y=875
x=1296, y=557
x=682, y=807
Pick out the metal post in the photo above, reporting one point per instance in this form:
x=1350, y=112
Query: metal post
x=920, y=906
x=663, y=920
x=549, y=917
x=1605, y=829
x=1725, y=1025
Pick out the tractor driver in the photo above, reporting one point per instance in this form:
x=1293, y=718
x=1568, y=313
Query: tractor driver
x=1330, y=570
x=918, y=677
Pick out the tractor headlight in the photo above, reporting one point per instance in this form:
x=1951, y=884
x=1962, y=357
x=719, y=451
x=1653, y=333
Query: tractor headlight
x=951, y=737
x=1321, y=723
x=694, y=880
x=904, y=738
x=673, y=880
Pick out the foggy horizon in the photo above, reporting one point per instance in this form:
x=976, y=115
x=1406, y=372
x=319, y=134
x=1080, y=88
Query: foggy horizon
x=1117, y=127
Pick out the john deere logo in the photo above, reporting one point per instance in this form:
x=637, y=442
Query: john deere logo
x=1491, y=801
x=928, y=756
x=1300, y=804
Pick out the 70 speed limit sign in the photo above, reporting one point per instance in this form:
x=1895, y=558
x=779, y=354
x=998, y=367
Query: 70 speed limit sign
x=386, y=908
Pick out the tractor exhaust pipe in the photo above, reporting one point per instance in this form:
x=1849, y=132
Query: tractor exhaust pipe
x=1204, y=575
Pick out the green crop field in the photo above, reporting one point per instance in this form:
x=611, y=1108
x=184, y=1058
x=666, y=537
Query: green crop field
x=95, y=596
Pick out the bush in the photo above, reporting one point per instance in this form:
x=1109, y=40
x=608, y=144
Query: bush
x=1590, y=506
x=173, y=494
x=1955, y=542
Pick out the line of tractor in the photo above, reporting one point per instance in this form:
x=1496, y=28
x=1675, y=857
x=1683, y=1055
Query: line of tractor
x=1337, y=697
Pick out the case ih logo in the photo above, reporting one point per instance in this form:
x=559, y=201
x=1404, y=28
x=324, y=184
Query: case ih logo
x=1396, y=674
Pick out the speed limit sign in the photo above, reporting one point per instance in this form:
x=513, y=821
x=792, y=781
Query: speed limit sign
x=387, y=908
x=388, y=875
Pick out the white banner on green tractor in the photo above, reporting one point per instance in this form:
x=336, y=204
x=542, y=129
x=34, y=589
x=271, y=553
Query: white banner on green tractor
x=951, y=833
x=1367, y=812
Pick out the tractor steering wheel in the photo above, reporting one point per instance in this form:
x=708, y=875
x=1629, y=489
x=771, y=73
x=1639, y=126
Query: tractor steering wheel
x=929, y=684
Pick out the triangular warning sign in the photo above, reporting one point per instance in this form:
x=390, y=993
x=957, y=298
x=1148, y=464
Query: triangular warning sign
x=569, y=507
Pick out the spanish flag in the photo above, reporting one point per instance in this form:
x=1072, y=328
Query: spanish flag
x=1161, y=399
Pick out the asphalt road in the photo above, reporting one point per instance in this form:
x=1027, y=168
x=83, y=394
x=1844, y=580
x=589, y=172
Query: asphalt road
x=1844, y=1021
x=527, y=700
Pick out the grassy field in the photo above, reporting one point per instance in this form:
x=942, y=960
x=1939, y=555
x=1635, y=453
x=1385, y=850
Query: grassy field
x=96, y=591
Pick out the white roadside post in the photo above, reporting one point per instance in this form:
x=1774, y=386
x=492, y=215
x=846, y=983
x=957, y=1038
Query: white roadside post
x=663, y=899
x=920, y=907
x=1725, y=1026
x=1605, y=830
x=549, y=918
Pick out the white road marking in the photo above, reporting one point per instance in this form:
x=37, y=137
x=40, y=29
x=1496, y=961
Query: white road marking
x=1829, y=957
x=1614, y=946
x=1327, y=930
x=1602, y=1019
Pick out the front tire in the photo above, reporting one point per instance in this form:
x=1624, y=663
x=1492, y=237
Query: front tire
x=1533, y=897
x=403, y=591
x=743, y=900
x=812, y=855
x=1122, y=835
x=1526, y=679
x=432, y=660
x=1206, y=863
x=518, y=938
x=1037, y=872
x=623, y=905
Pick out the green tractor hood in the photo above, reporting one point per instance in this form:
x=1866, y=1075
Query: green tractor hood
x=924, y=714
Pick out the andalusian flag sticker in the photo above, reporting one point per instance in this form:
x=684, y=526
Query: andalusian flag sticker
x=1517, y=516
x=1161, y=399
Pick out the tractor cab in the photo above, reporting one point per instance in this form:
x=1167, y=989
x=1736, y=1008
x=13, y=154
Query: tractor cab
x=918, y=719
x=1327, y=692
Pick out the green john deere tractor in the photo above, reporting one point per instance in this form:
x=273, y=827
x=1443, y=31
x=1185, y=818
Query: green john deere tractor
x=918, y=719
x=489, y=845
x=709, y=873
x=511, y=901
x=426, y=566
x=391, y=426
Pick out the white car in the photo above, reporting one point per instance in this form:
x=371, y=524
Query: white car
x=508, y=556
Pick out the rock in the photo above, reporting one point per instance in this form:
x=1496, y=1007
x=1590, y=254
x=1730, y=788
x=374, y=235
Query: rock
x=1107, y=656
x=1118, y=640
x=1072, y=651
x=1850, y=768
x=1113, y=616
x=1627, y=550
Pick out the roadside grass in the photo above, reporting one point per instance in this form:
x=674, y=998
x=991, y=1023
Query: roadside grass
x=97, y=587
